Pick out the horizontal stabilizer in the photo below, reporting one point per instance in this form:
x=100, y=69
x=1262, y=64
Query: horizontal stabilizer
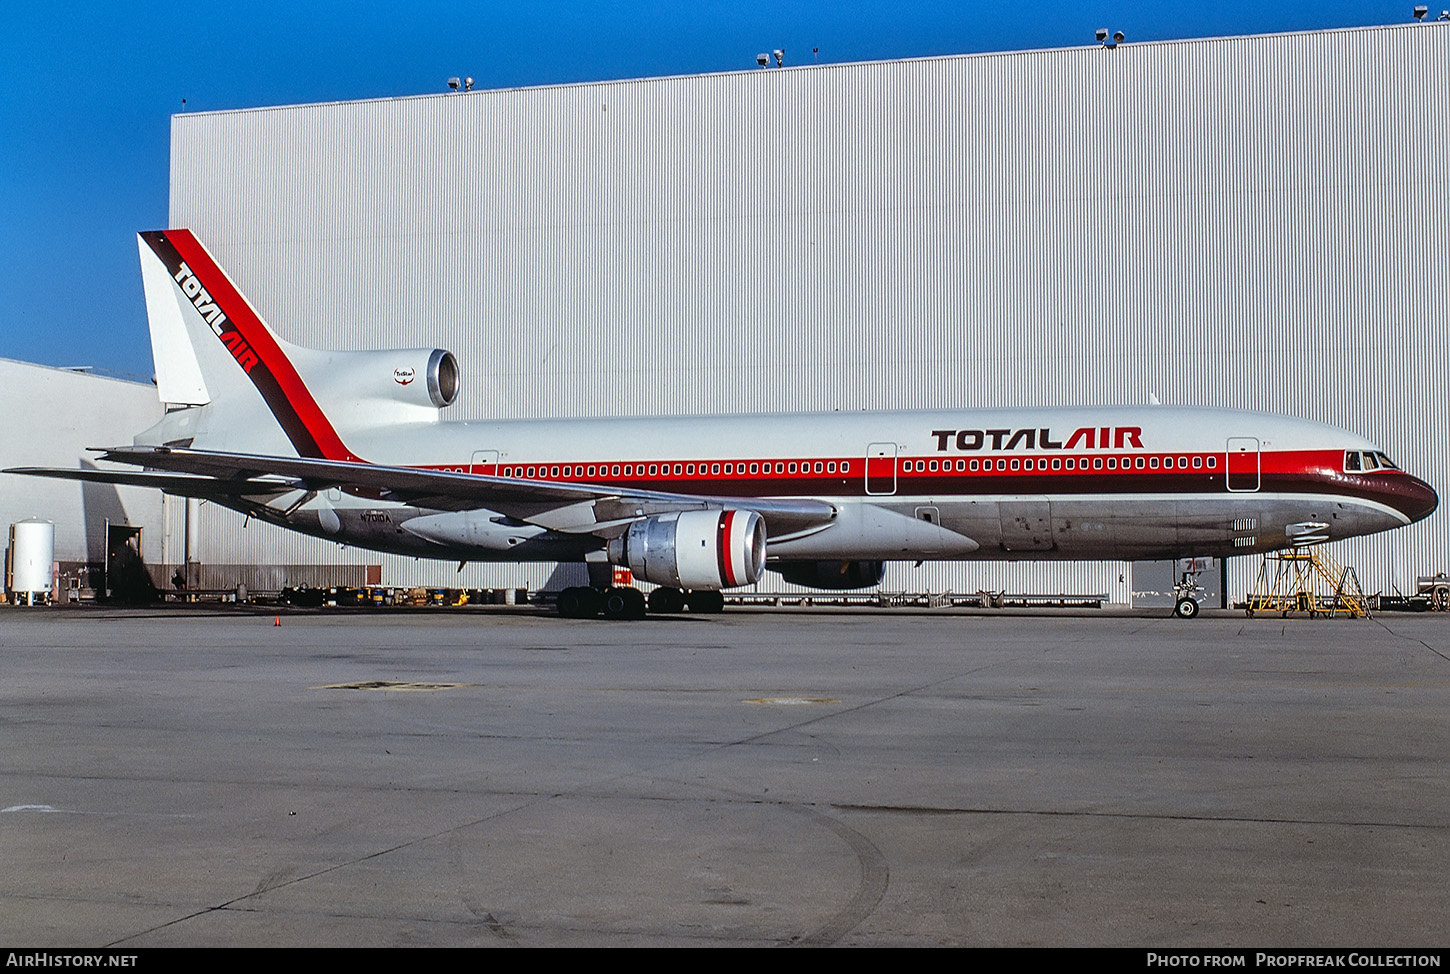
x=181, y=484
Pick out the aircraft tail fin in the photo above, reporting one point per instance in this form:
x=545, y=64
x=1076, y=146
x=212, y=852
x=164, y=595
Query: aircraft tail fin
x=211, y=348
x=178, y=375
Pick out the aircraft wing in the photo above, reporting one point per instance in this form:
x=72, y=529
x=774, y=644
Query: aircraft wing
x=568, y=507
x=184, y=484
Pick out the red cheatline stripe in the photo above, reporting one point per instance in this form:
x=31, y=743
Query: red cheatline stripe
x=295, y=398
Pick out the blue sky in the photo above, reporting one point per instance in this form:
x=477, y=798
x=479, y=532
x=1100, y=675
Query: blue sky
x=87, y=91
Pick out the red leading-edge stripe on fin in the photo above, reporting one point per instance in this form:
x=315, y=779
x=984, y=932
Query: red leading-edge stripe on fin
x=273, y=373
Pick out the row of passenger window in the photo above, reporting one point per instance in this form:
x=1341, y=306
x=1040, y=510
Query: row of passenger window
x=728, y=468
x=1061, y=463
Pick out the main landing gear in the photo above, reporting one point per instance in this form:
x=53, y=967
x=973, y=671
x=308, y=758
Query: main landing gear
x=624, y=602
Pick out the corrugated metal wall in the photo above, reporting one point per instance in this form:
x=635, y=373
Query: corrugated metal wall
x=51, y=419
x=1257, y=222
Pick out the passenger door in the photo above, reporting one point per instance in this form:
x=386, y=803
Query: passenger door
x=881, y=469
x=484, y=462
x=1241, y=464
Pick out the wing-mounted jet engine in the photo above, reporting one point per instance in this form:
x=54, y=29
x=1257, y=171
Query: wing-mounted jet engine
x=694, y=549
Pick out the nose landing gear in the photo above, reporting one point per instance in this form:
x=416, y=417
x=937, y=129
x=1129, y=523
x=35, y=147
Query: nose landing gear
x=1185, y=608
x=1185, y=605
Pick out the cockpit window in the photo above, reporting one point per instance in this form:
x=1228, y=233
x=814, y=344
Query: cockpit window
x=1357, y=460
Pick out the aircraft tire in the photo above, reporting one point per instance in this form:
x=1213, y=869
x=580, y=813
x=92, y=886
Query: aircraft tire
x=666, y=599
x=593, y=602
x=578, y=602
x=623, y=603
x=568, y=603
x=1186, y=608
x=706, y=600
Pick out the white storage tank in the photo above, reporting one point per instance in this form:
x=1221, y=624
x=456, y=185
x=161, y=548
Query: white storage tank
x=32, y=554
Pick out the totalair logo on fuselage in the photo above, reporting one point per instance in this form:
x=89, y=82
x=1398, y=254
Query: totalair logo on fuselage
x=212, y=314
x=1083, y=438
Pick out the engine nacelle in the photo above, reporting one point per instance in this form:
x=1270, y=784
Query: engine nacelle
x=420, y=376
x=376, y=387
x=831, y=574
x=694, y=549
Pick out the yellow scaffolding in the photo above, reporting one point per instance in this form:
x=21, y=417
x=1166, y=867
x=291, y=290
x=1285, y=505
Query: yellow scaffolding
x=1308, y=580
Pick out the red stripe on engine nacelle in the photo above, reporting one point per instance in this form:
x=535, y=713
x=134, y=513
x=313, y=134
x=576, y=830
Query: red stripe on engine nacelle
x=723, y=547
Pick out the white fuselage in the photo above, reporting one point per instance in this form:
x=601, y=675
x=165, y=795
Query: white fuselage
x=1083, y=483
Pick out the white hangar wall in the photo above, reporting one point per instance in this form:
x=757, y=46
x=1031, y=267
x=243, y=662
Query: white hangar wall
x=1257, y=222
x=52, y=416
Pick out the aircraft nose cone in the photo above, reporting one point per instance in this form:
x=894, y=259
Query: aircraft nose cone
x=1417, y=499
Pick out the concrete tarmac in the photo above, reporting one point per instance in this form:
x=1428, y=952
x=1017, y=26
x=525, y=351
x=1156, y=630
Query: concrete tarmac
x=763, y=777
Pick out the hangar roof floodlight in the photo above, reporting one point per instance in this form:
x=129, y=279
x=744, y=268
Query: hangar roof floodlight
x=453, y=83
x=779, y=57
x=1117, y=37
x=467, y=84
x=1444, y=15
x=762, y=59
x=1420, y=12
x=1102, y=35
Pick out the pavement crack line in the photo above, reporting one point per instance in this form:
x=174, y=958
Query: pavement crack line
x=229, y=904
x=863, y=705
x=1397, y=635
x=1147, y=816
